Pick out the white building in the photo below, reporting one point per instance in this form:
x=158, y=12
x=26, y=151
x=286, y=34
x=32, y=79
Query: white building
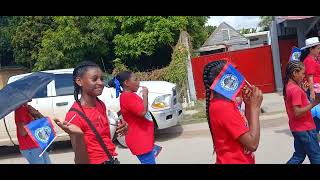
x=258, y=39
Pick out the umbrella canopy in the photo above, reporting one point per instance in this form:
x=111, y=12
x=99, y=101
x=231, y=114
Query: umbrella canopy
x=21, y=91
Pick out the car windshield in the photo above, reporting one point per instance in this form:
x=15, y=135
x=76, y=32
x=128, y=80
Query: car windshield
x=107, y=77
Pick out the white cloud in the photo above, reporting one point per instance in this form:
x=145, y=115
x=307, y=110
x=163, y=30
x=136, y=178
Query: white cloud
x=237, y=22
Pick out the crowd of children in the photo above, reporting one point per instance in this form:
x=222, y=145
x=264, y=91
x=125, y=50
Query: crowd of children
x=235, y=135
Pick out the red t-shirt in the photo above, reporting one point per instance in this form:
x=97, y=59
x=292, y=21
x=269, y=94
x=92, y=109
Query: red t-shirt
x=312, y=68
x=22, y=115
x=97, y=115
x=228, y=124
x=140, y=136
x=297, y=97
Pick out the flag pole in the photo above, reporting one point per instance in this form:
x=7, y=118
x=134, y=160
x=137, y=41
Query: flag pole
x=248, y=83
x=55, y=137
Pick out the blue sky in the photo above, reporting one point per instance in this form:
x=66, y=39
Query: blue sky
x=237, y=22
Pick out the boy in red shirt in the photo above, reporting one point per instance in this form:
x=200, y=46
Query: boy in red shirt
x=28, y=148
x=234, y=135
x=134, y=109
x=298, y=109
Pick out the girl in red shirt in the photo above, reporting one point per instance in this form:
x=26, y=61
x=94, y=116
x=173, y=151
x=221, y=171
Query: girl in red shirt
x=134, y=109
x=298, y=109
x=28, y=148
x=312, y=67
x=88, y=81
x=234, y=137
x=309, y=57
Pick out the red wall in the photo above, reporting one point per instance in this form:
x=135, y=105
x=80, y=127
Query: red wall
x=254, y=63
x=285, y=48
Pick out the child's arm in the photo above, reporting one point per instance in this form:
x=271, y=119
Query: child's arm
x=145, y=101
x=246, y=93
x=310, y=81
x=251, y=138
x=299, y=111
x=34, y=113
x=21, y=129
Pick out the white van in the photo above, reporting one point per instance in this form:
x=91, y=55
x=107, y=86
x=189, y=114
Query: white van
x=57, y=98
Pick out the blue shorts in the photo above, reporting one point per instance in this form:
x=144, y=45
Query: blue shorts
x=32, y=156
x=150, y=157
x=147, y=158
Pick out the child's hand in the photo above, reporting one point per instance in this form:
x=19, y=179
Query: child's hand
x=305, y=85
x=144, y=91
x=246, y=94
x=122, y=128
x=68, y=128
x=255, y=98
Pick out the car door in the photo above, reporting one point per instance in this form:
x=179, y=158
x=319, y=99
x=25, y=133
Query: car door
x=63, y=96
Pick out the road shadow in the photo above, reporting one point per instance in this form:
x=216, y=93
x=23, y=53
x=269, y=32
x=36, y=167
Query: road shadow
x=285, y=131
x=9, y=152
x=55, y=148
x=168, y=133
x=60, y=147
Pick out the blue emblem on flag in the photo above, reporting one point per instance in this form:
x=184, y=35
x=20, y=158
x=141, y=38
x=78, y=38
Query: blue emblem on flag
x=229, y=82
x=41, y=132
x=295, y=54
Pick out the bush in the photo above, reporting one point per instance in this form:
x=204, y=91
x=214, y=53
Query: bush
x=176, y=72
x=118, y=67
x=155, y=75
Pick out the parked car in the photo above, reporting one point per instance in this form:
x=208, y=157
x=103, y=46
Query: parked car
x=57, y=98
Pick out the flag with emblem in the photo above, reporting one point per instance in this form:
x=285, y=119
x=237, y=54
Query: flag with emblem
x=295, y=54
x=229, y=82
x=41, y=132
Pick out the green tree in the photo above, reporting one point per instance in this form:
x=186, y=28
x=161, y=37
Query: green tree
x=265, y=22
x=143, y=35
x=197, y=30
x=210, y=29
x=75, y=38
x=6, y=50
x=26, y=37
x=48, y=42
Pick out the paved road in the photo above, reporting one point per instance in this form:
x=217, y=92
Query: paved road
x=189, y=144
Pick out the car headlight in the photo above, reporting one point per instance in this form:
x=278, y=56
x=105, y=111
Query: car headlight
x=162, y=102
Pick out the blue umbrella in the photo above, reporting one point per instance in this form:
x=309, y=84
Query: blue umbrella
x=21, y=91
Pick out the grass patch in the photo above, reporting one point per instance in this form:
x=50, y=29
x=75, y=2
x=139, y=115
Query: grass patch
x=196, y=117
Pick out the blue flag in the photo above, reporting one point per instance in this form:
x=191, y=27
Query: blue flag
x=41, y=132
x=295, y=54
x=156, y=150
x=229, y=82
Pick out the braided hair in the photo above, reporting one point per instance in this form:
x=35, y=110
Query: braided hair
x=292, y=66
x=210, y=72
x=78, y=72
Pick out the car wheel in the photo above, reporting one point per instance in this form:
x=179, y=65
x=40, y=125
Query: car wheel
x=122, y=141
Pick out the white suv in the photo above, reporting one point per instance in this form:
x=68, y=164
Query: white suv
x=57, y=98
